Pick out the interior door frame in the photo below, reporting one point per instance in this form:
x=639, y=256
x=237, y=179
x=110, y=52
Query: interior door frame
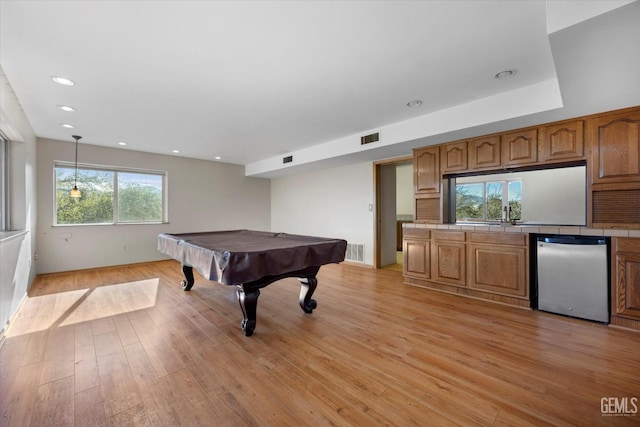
x=377, y=221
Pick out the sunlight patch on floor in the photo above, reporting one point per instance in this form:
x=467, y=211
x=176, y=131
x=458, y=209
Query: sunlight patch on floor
x=67, y=308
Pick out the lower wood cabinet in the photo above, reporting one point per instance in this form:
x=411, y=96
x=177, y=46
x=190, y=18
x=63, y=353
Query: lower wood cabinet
x=448, y=257
x=499, y=263
x=491, y=266
x=625, y=282
x=417, y=258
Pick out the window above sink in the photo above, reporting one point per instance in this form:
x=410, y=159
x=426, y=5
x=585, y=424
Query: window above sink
x=533, y=197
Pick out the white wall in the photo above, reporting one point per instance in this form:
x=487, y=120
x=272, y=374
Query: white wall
x=17, y=256
x=202, y=196
x=387, y=201
x=555, y=196
x=327, y=203
x=404, y=189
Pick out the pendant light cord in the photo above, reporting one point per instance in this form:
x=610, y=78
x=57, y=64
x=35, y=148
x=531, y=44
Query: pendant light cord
x=75, y=180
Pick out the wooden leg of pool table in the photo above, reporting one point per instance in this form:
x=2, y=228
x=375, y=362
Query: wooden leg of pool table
x=188, y=281
x=249, y=304
x=307, y=288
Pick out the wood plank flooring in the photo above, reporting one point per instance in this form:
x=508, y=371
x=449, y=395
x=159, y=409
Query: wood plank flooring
x=126, y=346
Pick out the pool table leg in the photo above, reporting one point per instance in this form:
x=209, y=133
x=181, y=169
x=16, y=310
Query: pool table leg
x=249, y=304
x=187, y=284
x=307, y=288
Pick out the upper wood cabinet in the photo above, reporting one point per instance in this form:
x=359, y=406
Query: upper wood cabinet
x=615, y=147
x=613, y=141
x=563, y=142
x=609, y=144
x=484, y=153
x=426, y=169
x=520, y=148
x=453, y=157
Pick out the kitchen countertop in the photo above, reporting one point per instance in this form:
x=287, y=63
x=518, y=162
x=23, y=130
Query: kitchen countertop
x=537, y=229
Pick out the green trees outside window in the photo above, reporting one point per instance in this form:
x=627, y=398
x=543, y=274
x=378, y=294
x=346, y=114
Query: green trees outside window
x=487, y=200
x=109, y=196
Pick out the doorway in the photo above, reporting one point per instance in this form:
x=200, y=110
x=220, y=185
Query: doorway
x=394, y=206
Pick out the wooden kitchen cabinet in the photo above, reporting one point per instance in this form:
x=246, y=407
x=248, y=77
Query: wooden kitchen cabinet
x=416, y=253
x=448, y=257
x=614, y=165
x=485, y=153
x=426, y=169
x=428, y=208
x=427, y=180
x=563, y=142
x=491, y=266
x=520, y=147
x=453, y=157
x=498, y=263
x=615, y=147
x=625, y=282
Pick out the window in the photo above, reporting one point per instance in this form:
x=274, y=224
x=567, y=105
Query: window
x=489, y=200
x=109, y=196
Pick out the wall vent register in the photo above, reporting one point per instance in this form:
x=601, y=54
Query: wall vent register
x=368, y=139
x=355, y=253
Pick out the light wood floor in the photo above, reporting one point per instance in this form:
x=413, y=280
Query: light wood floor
x=126, y=346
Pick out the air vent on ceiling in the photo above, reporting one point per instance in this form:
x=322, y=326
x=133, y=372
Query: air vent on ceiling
x=368, y=139
x=287, y=159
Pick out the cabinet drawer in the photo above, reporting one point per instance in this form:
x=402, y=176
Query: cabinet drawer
x=419, y=233
x=626, y=244
x=512, y=239
x=450, y=236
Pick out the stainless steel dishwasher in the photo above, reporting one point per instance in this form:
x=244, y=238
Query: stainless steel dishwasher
x=573, y=276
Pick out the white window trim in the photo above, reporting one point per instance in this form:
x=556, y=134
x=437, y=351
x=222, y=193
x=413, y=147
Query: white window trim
x=5, y=201
x=505, y=197
x=115, y=170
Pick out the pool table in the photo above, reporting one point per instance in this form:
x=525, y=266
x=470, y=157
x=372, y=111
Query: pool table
x=251, y=260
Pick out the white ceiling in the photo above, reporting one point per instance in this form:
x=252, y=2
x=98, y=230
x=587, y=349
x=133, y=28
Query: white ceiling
x=248, y=81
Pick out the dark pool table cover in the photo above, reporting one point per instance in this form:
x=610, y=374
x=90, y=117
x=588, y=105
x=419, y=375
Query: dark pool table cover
x=242, y=256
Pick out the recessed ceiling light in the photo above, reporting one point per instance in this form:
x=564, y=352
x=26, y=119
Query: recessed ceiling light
x=176, y=151
x=506, y=74
x=62, y=81
x=66, y=108
x=68, y=126
x=122, y=143
x=414, y=103
x=217, y=157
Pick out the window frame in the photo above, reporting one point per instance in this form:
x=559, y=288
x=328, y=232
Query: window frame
x=505, y=199
x=5, y=220
x=115, y=170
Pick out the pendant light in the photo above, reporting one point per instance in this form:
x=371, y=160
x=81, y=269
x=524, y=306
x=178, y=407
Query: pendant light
x=75, y=193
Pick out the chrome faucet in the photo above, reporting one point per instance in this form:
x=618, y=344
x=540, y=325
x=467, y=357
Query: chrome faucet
x=506, y=217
